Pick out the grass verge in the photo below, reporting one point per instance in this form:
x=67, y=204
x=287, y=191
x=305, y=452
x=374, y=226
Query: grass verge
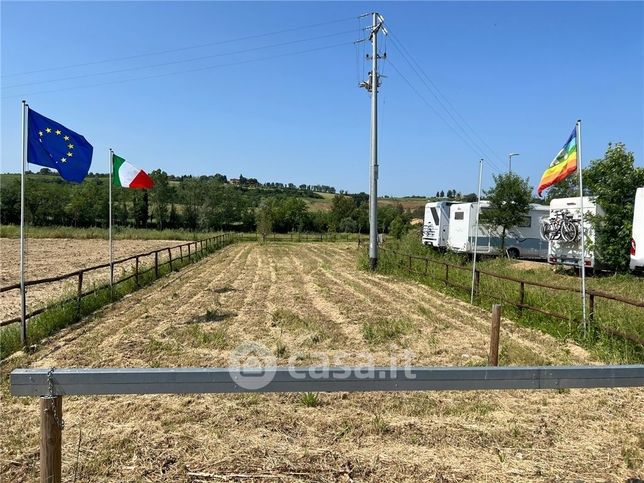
x=611, y=318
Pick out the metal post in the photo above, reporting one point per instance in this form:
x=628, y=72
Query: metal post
x=111, y=163
x=23, y=294
x=583, y=250
x=494, y=335
x=51, y=409
x=476, y=229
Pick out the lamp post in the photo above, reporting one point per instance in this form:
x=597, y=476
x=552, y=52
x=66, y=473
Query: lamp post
x=510, y=159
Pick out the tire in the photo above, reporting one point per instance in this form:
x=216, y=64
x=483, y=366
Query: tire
x=513, y=253
x=568, y=231
x=545, y=230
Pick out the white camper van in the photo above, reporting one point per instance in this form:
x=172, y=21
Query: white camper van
x=564, y=231
x=436, y=223
x=523, y=241
x=637, y=242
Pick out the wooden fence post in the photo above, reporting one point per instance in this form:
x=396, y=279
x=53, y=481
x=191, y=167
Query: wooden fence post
x=493, y=359
x=170, y=257
x=181, y=252
x=521, y=297
x=156, y=264
x=188, y=252
x=136, y=271
x=51, y=413
x=591, y=307
x=79, y=294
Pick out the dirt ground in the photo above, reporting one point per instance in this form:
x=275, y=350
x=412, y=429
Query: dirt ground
x=48, y=257
x=300, y=300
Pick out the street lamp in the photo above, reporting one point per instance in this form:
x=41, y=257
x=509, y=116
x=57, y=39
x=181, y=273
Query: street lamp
x=510, y=158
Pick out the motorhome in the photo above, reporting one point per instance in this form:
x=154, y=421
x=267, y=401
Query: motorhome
x=436, y=223
x=564, y=244
x=637, y=242
x=521, y=241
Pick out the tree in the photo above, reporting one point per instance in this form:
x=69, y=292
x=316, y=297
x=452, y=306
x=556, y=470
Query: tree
x=160, y=194
x=567, y=188
x=438, y=194
x=509, y=204
x=613, y=180
x=264, y=218
x=442, y=194
x=140, y=209
x=470, y=198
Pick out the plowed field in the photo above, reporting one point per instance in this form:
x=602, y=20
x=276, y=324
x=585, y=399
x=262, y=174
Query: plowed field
x=302, y=301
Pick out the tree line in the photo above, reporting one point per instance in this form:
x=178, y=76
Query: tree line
x=187, y=202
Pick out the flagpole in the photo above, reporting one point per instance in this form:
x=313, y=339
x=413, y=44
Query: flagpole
x=476, y=231
x=23, y=295
x=110, y=225
x=583, y=247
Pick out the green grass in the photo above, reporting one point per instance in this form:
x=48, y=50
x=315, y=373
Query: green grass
x=310, y=399
x=13, y=231
x=68, y=311
x=609, y=316
x=385, y=330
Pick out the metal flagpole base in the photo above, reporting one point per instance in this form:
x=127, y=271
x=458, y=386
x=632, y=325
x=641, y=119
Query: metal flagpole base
x=373, y=264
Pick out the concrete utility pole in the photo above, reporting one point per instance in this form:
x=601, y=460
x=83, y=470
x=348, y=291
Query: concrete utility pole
x=372, y=86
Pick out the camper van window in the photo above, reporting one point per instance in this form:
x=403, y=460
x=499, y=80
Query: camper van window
x=434, y=215
x=526, y=222
x=459, y=215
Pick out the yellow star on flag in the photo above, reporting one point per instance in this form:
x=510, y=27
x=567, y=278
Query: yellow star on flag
x=66, y=138
x=70, y=146
x=64, y=160
x=48, y=129
x=69, y=154
x=58, y=132
x=40, y=133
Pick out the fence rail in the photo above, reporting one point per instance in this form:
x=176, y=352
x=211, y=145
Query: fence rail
x=79, y=275
x=520, y=303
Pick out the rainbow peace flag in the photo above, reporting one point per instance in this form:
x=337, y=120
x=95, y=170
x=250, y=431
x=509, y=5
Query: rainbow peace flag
x=564, y=164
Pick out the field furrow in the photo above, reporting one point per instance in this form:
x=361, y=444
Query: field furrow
x=305, y=302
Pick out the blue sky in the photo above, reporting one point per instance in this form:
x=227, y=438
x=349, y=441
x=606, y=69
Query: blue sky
x=518, y=73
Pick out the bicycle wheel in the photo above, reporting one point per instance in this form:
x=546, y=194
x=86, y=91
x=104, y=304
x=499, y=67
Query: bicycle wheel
x=569, y=231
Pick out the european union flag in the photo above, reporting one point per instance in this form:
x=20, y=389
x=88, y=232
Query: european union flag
x=52, y=145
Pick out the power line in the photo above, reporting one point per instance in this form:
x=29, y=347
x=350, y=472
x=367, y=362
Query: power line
x=179, y=49
x=443, y=100
x=181, y=61
x=166, y=74
x=476, y=150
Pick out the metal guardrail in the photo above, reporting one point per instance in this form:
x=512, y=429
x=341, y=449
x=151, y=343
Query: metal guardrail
x=87, y=382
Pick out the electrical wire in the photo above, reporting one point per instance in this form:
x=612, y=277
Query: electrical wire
x=180, y=61
x=445, y=103
x=180, y=49
x=166, y=74
x=476, y=150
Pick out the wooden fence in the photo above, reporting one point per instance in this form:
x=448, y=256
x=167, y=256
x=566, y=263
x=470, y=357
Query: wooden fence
x=411, y=263
x=161, y=256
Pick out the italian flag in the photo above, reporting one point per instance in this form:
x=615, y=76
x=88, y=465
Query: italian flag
x=128, y=176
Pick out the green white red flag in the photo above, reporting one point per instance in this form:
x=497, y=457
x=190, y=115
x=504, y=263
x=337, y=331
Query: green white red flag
x=128, y=176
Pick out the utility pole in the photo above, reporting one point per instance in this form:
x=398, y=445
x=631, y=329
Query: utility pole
x=372, y=85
